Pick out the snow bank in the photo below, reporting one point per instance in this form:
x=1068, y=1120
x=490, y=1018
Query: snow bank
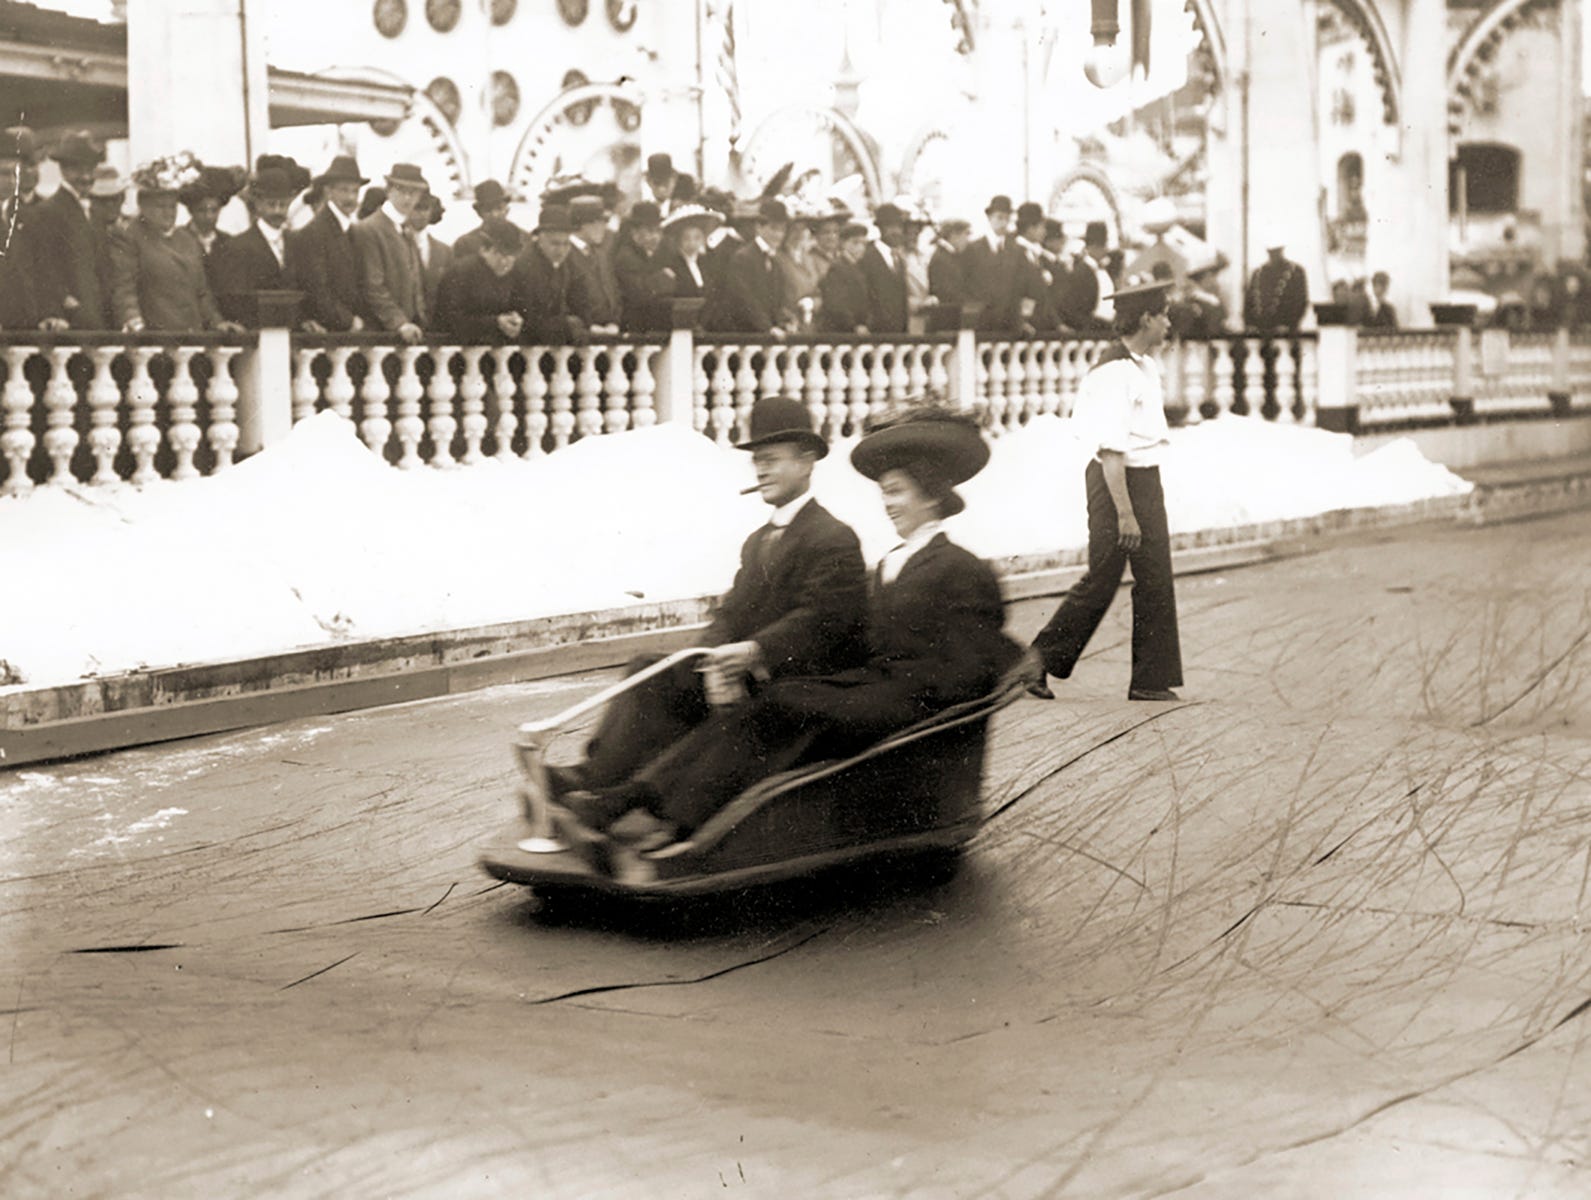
x=317, y=541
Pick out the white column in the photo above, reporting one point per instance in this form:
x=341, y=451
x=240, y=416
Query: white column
x=1422, y=175
x=181, y=50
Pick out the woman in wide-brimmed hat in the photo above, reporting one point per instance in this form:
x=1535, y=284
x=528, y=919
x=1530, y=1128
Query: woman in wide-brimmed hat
x=935, y=639
x=685, y=234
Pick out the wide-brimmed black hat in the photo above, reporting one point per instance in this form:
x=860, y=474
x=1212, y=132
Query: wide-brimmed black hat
x=946, y=443
x=782, y=419
x=214, y=183
x=272, y=183
x=644, y=215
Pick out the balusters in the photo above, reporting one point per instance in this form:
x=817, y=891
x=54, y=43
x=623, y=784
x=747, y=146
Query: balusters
x=877, y=384
x=408, y=427
x=616, y=391
x=1070, y=375
x=17, y=439
x=503, y=397
x=440, y=421
x=1308, y=380
x=721, y=401
x=745, y=389
x=817, y=391
x=840, y=388
x=536, y=390
x=643, y=389
x=1195, y=365
x=939, y=371
x=917, y=371
x=561, y=395
x=900, y=380
x=793, y=382
x=858, y=385
x=182, y=394
x=771, y=381
x=143, y=439
x=375, y=429
x=1047, y=357
x=222, y=434
x=472, y=405
x=60, y=439
x=339, y=384
x=104, y=398
x=588, y=393
x=994, y=393
x=701, y=384
x=305, y=389
x=1018, y=384
x=1221, y=390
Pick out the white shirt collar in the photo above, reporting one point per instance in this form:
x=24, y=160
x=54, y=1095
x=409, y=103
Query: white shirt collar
x=914, y=543
x=785, y=513
x=764, y=247
x=396, y=217
x=343, y=219
x=276, y=239
x=887, y=254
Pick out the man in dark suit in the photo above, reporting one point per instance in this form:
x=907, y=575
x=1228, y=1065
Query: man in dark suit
x=935, y=639
x=1278, y=292
x=491, y=203
x=796, y=608
x=845, y=305
x=60, y=245
x=255, y=260
x=435, y=255
x=388, y=253
x=19, y=174
x=596, y=297
x=749, y=297
x=476, y=302
x=884, y=268
x=995, y=271
x=546, y=284
x=320, y=256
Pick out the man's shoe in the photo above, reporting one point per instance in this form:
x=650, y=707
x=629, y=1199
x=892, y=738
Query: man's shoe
x=642, y=832
x=563, y=780
x=1040, y=689
x=1152, y=694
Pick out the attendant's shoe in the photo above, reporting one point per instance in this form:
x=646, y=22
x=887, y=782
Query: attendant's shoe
x=1152, y=694
x=1040, y=690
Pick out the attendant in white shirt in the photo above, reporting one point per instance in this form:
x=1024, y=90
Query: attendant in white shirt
x=1121, y=413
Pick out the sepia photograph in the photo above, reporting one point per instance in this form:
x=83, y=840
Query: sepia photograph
x=841, y=599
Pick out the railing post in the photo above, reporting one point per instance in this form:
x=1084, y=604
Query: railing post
x=1337, y=403
x=963, y=382
x=673, y=400
x=265, y=390
x=1560, y=394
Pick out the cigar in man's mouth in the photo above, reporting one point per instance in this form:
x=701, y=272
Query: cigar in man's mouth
x=746, y=491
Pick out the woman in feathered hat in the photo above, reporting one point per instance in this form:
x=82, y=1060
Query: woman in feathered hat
x=935, y=639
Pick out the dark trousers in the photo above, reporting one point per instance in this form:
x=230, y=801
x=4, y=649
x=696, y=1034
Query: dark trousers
x=643, y=722
x=1156, y=649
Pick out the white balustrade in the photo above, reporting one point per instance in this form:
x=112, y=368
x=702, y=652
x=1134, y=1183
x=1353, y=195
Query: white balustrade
x=504, y=393
x=17, y=440
x=472, y=404
x=375, y=426
x=1580, y=370
x=182, y=395
x=536, y=420
x=143, y=438
x=1405, y=377
x=104, y=397
x=222, y=435
x=60, y=439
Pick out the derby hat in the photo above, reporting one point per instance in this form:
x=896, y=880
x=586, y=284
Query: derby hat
x=693, y=214
x=782, y=419
x=272, y=183
x=343, y=169
x=502, y=235
x=555, y=218
x=79, y=149
x=1000, y=204
x=888, y=214
x=298, y=177
x=583, y=210
x=1096, y=233
x=645, y=215
x=108, y=182
x=851, y=231
x=407, y=173
x=1029, y=213
x=21, y=143
x=489, y=194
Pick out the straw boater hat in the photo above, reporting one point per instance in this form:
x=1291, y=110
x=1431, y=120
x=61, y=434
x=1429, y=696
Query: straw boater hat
x=688, y=215
x=782, y=419
x=936, y=447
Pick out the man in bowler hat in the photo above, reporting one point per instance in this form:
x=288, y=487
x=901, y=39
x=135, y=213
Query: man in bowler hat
x=320, y=257
x=994, y=270
x=477, y=299
x=749, y=297
x=547, y=282
x=1121, y=410
x=884, y=268
x=59, y=253
x=388, y=252
x=491, y=202
x=255, y=260
x=797, y=607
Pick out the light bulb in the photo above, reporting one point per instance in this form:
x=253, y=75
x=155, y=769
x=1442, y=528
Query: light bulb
x=1106, y=64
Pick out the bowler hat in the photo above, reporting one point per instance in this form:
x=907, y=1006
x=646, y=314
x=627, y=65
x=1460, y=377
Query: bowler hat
x=645, y=215
x=1000, y=204
x=1096, y=233
x=22, y=143
x=555, y=219
x=108, y=182
x=659, y=167
x=489, y=194
x=583, y=210
x=936, y=447
x=1029, y=213
x=1053, y=229
x=298, y=177
x=343, y=169
x=272, y=184
x=79, y=149
x=773, y=211
x=782, y=419
x=853, y=230
x=502, y=235
x=406, y=173
x=888, y=214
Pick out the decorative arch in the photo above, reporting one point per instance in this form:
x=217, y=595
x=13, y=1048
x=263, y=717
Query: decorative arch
x=837, y=124
x=1364, y=17
x=441, y=138
x=1095, y=177
x=914, y=153
x=531, y=167
x=1480, y=40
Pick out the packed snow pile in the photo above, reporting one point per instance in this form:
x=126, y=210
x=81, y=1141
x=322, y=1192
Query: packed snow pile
x=317, y=541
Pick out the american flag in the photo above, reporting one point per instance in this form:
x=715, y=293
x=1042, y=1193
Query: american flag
x=728, y=76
